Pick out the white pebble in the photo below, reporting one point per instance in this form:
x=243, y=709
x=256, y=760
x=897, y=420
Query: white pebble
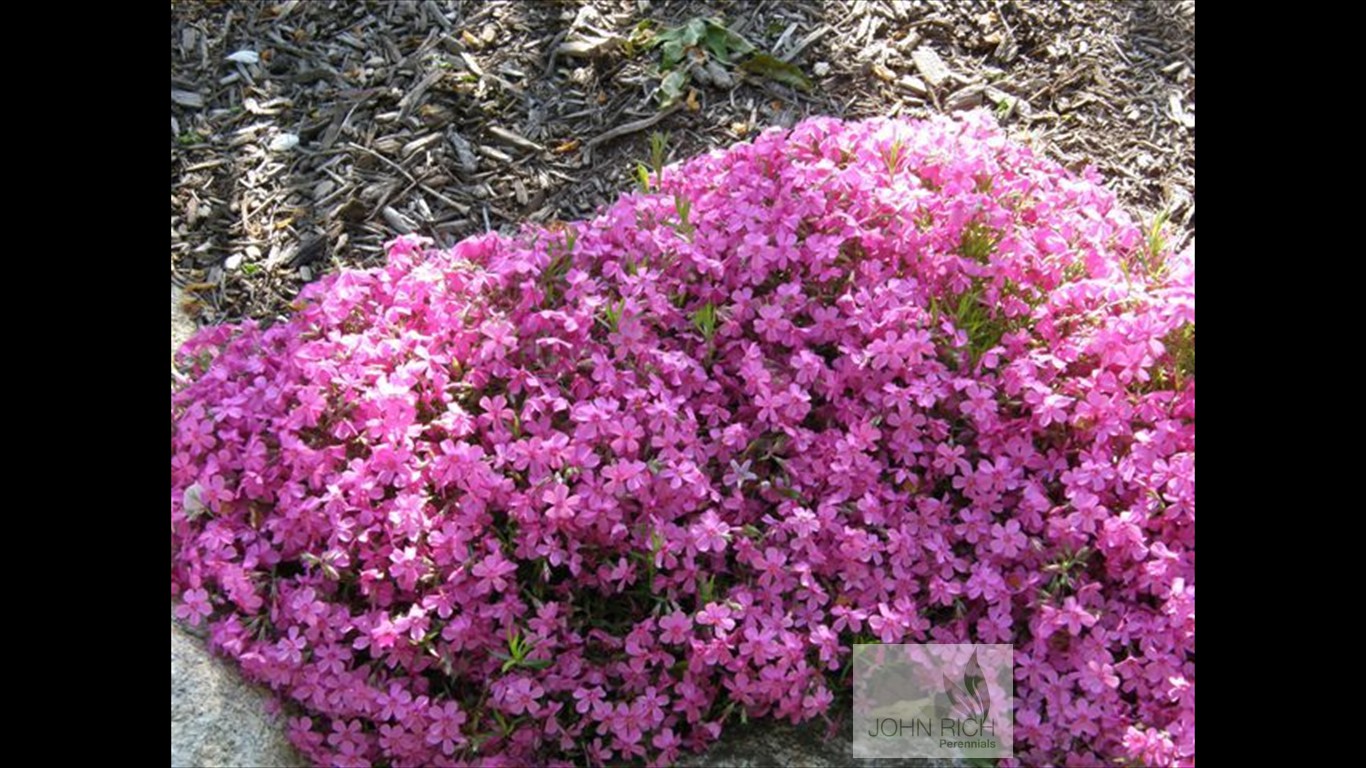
x=284, y=142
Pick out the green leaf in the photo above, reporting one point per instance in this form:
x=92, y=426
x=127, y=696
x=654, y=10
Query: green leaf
x=671, y=88
x=705, y=590
x=722, y=42
x=777, y=70
x=716, y=44
x=704, y=320
x=670, y=35
x=693, y=32
x=659, y=143
x=672, y=54
x=612, y=313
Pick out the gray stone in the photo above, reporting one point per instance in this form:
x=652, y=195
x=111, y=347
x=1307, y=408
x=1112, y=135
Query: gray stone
x=216, y=718
x=181, y=324
x=182, y=327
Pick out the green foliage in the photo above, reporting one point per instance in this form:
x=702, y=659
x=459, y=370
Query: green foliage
x=709, y=34
x=1063, y=571
x=1156, y=236
x=708, y=40
x=659, y=143
x=611, y=314
x=684, y=226
x=1151, y=258
x=518, y=650
x=974, y=318
x=561, y=257
x=978, y=241
x=704, y=320
x=1003, y=108
x=892, y=157
x=706, y=590
x=672, y=87
x=1180, y=346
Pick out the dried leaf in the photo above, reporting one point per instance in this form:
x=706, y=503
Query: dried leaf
x=777, y=70
x=590, y=46
x=691, y=101
x=514, y=139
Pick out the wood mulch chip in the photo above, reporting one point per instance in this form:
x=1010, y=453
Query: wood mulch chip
x=304, y=135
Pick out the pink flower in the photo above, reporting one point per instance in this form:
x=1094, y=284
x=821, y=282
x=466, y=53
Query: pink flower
x=493, y=572
x=521, y=695
x=1071, y=615
x=710, y=533
x=444, y=730
x=194, y=607
x=674, y=627
x=1006, y=539
x=588, y=698
x=406, y=568
x=395, y=703
x=562, y=505
x=716, y=615
x=937, y=397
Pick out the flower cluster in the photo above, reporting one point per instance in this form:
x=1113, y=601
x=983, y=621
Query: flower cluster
x=591, y=492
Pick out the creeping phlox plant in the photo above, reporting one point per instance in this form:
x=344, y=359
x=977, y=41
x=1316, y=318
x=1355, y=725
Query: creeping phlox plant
x=592, y=492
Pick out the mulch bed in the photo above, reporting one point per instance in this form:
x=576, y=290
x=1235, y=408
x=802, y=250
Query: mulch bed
x=306, y=134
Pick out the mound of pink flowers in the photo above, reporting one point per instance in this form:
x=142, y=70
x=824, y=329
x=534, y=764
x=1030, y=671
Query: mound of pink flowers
x=595, y=492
